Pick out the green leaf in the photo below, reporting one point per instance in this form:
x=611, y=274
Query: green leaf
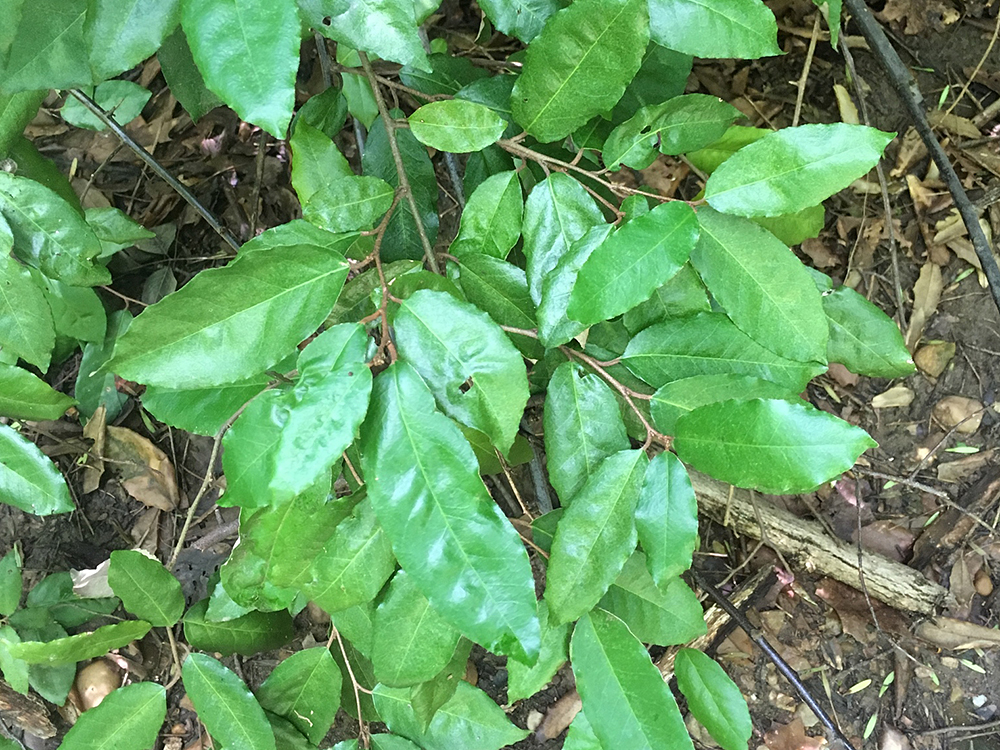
x=202, y=411
x=793, y=228
x=595, y=536
x=684, y=294
x=524, y=681
x=475, y=373
x=446, y=75
x=316, y=161
x=95, y=386
x=123, y=100
x=579, y=65
x=286, y=736
x=628, y=266
x=49, y=234
x=15, y=671
x=48, y=49
x=55, y=595
x=583, y=426
x=764, y=288
x=247, y=635
x=678, y=125
x=10, y=582
x=554, y=325
x=252, y=71
x=28, y=479
x=424, y=484
x=412, y=641
x=456, y=126
x=16, y=111
x=713, y=699
x=794, y=168
x=709, y=344
x=77, y=312
x=666, y=518
x=491, y=220
x=581, y=735
x=520, y=18
x=127, y=719
x=25, y=396
x=709, y=158
x=146, y=588
x=115, y=229
x=677, y=398
x=666, y=615
x=225, y=705
x=74, y=648
x=427, y=697
x=627, y=702
x=305, y=689
x=714, y=28
x=769, y=444
x=558, y=212
x=326, y=111
x=246, y=588
x=469, y=720
x=386, y=28
x=662, y=76
x=863, y=338
x=184, y=78
x=233, y=322
x=379, y=742
x=286, y=439
x=122, y=33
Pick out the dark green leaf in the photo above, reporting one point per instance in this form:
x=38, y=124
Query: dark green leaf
x=666, y=518
x=446, y=75
x=524, y=681
x=201, y=410
x=427, y=697
x=146, y=588
x=492, y=92
x=863, y=338
x=677, y=398
x=305, y=689
x=48, y=49
x=77, y=312
x=225, y=705
x=247, y=635
x=522, y=18
x=26, y=328
x=579, y=65
x=554, y=325
x=74, y=648
x=55, y=594
x=127, y=719
x=25, y=396
x=722, y=28
x=662, y=75
x=184, y=78
x=29, y=480
x=456, y=126
x=122, y=100
x=684, y=294
x=123, y=33
x=713, y=698
x=481, y=164
x=355, y=302
x=769, y=444
x=16, y=111
x=326, y=112
x=51, y=682
x=595, y=536
x=386, y=28
x=424, y=484
x=491, y=221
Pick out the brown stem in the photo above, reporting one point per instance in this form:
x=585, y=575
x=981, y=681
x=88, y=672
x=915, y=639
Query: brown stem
x=363, y=733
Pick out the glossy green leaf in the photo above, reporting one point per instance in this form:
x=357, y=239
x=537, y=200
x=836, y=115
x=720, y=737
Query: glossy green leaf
x=678, y=125
x=579, y=65
x=412, y=641
x=246, y=588
x=11, y=584
x=379, y=742
x=524, y=681
x=202, y=411
x=225, y=705
x=386, y=28
x=666, y=518
x=794, y=168
x=305, y=689
x=491, y=220
x=769, y=444
x=446, y=75
x=469, y=720
x=127, y=719
x=863, y=338
x=286, y=439
x=233, y=322
x=123, y=33
x=427, y=697
x=677, y=398
x=456, y=126
x=424, y=484
x=247, y=635
x=595, y=536
x=16, y=111
x=475, y=373
x=628, y=266
x=583, y=426
x=183, y=76
x=48, y=49
x=709, y=344
x=558, y=212
x=662, y=76
x=554, y=325
x=55, y=596
x=713, y=699
x=326, y=111
x=355, y=302
x=122, y=100
x=627, y=702
x=74, y=648
x=146, y=588
x=49, y=234
x=37, y=624
x=764, y=288
x=25, y=396
x=709, y=158
x=684, y=294
x=28, y=479
x=667, y=615
x=252, y=71
x=77, y=312
x=720, y=28
x=581, y=735
x=15, y=671
x=793, y=228
x=316, y=161
x=286, y=736
x=115, y=229
x=520, y=18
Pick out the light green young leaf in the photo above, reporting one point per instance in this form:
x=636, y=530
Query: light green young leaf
x=127, y=719
x=456, y=126
x=764, y=289
x=121, y=34
x=579, y=65
x=677, y=398
x=247, y=635
x=769, y=444
x=554, y=324
x=77, y=312
x=48, y=49
x=863, y=338
x=491, y=220
x=709, y=344
x=794, y=168
x=520, y=18
x=387, y=28
x=183, y=76
x=713, y=699
x=316, y=161
x=627, y=702
x=28, y=479
x=123, y=100
x=348, y=204
x=595, y=536
x=474, y=371
x=524, y=681
x=684, y=294
x=583, y=426
x=743, y=29
x=252, y=71
x=709, y=158
x=234, y=322
x=15, y=671
x=25, y=396
x=74, y=648
x=666, y=518
x=305, y=689
x=225, y=705
x=424, y=484
x=793, y=228
x=581, y=735
x=11, y=584
x=147, y=589
x=630, y=264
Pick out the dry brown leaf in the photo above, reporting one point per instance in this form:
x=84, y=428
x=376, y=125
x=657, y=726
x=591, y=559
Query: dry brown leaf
x=559, y=716
x=893, y=739
x=963, y=468
x=953, y=124
x=895, y=397
x=933, y=357
x=665, y=175
x=959, y=412
x=957, y=635
x=145, y=471
x=926, y=296
x=792, y=736
x=919, y=15
x=93, y=469
x=888, y=539
x=819, y=252
x=912, y=150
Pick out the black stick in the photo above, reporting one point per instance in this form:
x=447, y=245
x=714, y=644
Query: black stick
x=907, y=89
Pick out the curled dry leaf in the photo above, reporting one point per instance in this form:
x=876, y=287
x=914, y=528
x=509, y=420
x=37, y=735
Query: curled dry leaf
x=95, y=682
x=957, y=635
x=963, y=468
x=934, y=357
x=93, y=469
x=792, y=736
x=92, y=583
x=926, y=296
x=959, y=412
x=145, y=471
x=898, y=395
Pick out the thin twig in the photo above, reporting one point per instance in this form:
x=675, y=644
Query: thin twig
x=363, y=735
x=805, y=70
